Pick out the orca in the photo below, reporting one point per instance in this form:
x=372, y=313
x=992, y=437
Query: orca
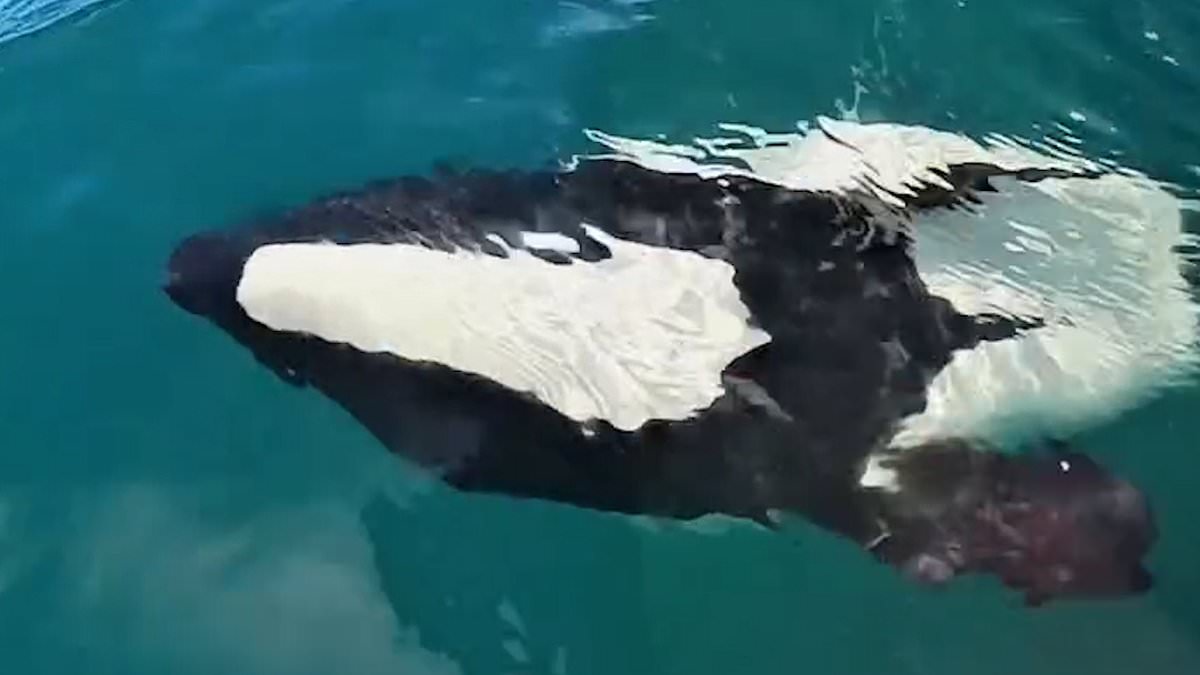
x=637, y=336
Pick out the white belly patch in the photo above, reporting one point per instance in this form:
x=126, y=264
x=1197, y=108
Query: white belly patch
x=644, y=334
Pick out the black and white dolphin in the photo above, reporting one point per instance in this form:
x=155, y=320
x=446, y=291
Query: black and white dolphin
x=670, y=343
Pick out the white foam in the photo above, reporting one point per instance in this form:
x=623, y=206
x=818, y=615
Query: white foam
x=644, y=334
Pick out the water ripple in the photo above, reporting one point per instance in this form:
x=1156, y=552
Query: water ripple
x=22, y=17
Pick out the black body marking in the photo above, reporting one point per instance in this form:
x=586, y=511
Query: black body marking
x=855, y=339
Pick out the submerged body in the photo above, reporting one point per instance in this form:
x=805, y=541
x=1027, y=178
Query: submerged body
x=625, y=339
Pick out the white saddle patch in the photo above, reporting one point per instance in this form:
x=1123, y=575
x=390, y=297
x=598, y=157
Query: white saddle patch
x=1096, y=259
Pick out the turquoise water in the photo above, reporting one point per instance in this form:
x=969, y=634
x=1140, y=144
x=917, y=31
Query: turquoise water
x=167, y=506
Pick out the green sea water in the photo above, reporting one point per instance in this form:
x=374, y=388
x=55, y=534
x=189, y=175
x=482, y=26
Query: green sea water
x=168, y=506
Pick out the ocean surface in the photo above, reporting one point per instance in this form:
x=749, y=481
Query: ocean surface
x=168, y=506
